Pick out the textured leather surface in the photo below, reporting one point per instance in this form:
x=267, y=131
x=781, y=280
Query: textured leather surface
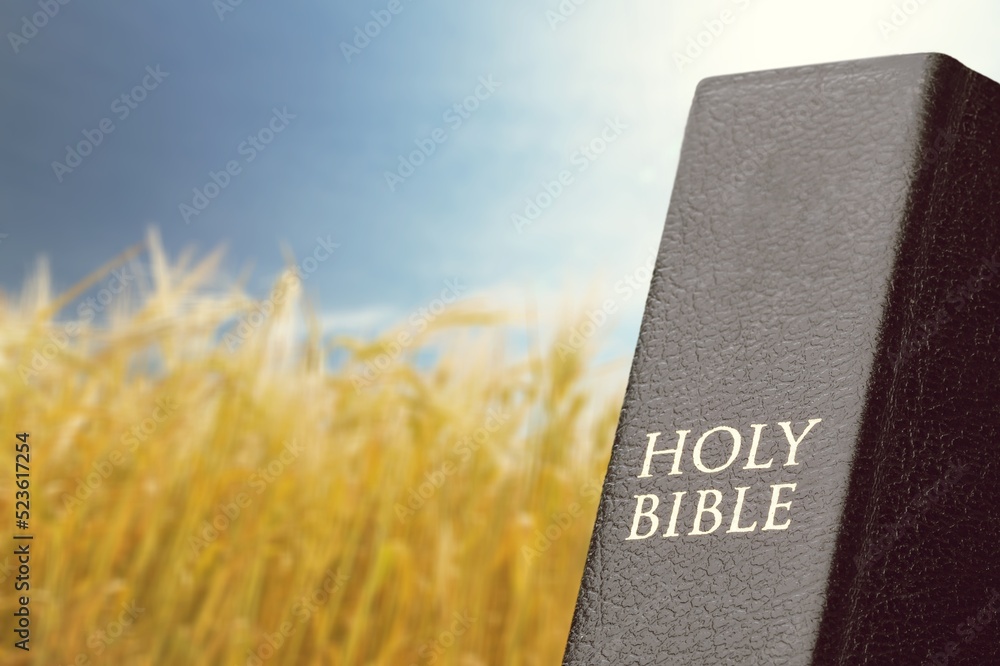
x=831, y=250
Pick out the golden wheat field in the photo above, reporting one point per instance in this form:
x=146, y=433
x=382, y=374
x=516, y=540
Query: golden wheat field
x=202, y=497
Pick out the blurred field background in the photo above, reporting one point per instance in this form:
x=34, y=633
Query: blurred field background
x=225, y=498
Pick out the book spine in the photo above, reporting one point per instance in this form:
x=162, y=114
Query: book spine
x=784, y=383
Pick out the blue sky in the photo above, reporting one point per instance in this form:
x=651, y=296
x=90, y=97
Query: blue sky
x=535, y=84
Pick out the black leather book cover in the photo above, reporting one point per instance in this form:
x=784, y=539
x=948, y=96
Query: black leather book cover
x=807, y=463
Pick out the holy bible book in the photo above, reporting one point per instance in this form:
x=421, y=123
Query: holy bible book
x=807, y=463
